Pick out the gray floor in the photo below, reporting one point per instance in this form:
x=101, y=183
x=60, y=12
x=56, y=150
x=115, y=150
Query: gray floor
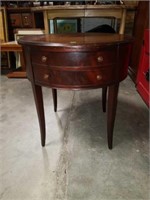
x=75, y=163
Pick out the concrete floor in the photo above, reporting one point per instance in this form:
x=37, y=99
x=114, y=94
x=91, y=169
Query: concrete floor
x=75, y=163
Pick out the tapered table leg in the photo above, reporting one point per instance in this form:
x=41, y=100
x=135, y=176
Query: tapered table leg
x=38, y=97
x=111, y=112
x=54, y=93
x=104, y=98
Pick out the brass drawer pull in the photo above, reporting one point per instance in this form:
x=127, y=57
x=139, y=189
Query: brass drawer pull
x=100, y=59
x=44, y=58
x=99, y=77
x=46, y=76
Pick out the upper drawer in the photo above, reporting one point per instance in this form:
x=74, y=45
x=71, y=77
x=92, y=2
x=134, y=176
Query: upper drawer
x=73, y=59
x=40, y=57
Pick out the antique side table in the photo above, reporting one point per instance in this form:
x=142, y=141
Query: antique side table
x=77, y=61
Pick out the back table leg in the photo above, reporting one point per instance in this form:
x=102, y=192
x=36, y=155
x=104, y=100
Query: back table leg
x=111, y=112
x=104, y=98
x=38, y=97
x=54, y=93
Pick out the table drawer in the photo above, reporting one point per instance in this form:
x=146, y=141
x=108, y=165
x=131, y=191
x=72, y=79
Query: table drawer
x=40, y=57
x=73, y=59
x=74, y=78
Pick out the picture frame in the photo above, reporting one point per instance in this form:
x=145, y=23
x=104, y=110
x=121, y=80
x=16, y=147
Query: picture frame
x=66, y=25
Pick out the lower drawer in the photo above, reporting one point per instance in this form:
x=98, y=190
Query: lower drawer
x=75, y=79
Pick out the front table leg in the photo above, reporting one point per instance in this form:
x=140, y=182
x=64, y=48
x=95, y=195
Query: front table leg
x=111, y=112
x=38, y=97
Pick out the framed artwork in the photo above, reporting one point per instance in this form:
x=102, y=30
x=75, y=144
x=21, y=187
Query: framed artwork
x=66, y=25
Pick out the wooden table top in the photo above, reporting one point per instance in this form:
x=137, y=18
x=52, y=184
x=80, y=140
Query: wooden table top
x=75, y=40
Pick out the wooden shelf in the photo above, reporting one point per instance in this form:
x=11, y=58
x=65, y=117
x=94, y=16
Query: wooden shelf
x=14, y=47
x=19, y=74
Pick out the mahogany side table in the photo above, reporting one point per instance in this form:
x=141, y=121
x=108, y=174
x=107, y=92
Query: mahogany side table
x=76, y=61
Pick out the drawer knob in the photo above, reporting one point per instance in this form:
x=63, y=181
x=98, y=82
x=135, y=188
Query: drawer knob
x=100, y=59
x=99, y=77
x=44, y=58
x=46, y=76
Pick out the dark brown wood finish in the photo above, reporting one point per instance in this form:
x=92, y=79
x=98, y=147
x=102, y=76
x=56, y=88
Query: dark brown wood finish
x=77, y=61
x=75, y=41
